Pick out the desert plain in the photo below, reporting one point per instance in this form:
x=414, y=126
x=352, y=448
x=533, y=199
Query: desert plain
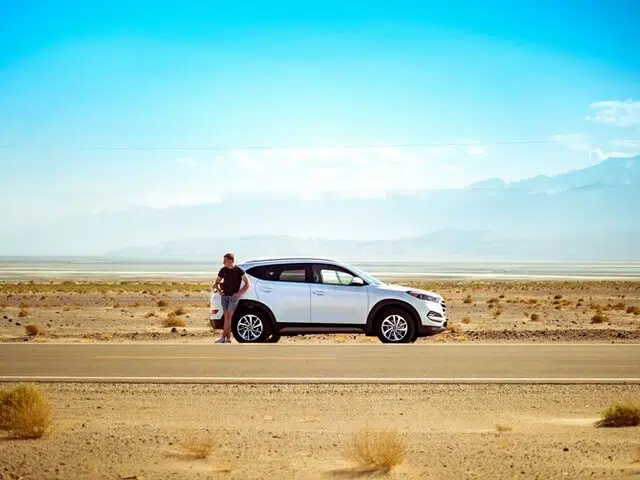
x=302, y=431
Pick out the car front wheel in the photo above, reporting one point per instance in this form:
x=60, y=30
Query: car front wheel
x=396, y=326
x=251, y=327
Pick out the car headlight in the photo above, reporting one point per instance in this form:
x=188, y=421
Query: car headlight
x=424, y=296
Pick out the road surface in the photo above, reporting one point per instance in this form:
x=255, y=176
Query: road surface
x=174, y=363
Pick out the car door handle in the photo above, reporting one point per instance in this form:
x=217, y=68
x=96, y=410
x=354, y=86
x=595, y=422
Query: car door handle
x=318, y=293
x=266, y=289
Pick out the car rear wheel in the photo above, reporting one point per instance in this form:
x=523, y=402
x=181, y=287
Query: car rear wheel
x=251, y=326
x=396, y=326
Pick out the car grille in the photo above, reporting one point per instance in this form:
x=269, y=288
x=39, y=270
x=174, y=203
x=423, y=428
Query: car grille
x=444, y=307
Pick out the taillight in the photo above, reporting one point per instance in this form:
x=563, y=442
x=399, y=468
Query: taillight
x=215, y=311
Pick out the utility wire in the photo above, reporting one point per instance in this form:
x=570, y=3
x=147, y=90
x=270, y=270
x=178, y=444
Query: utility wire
x=8, y=147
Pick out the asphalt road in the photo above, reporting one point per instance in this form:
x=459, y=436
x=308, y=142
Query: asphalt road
x=171, y=363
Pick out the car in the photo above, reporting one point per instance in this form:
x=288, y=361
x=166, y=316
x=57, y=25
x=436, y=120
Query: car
x=294, y=296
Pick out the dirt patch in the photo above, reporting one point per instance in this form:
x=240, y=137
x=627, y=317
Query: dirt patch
x=263, y=431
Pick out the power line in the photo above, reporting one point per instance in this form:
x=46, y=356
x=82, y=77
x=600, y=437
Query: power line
x=283, y=147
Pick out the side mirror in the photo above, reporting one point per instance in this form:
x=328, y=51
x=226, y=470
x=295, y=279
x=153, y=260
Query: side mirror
x=357, y=281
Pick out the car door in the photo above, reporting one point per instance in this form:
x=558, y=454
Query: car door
x=334, y=299
x=286, y=290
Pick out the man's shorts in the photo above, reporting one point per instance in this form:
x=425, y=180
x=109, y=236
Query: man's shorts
x=229, y=303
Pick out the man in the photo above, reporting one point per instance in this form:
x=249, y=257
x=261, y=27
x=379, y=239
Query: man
x=232, y=283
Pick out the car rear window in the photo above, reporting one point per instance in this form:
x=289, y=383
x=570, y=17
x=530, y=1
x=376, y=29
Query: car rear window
x=263, y=272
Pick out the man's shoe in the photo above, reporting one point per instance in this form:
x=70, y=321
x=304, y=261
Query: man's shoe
x=221, y=340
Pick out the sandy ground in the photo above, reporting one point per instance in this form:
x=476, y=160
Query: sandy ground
x=479, y=311
x=302, y=431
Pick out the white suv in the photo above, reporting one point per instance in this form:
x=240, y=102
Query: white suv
x=293, y=296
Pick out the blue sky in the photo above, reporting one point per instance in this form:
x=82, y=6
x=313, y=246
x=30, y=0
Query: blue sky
x=103, y=106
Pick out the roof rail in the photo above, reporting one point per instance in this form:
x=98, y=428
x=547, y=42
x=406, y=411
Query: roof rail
x=289, y=259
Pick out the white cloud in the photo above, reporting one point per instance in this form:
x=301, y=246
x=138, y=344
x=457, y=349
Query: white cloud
x=627, y=143
x=467, y=146
x=577, y=142
x=622, y=113
x=478, y=150
x=188, y=162
x=370, y=172
x=602, y=155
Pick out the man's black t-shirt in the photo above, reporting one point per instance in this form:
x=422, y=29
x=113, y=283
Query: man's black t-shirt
x=232, y=279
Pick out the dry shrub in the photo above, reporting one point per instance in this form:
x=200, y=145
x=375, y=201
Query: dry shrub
x=180, y=310
x=162, y=303
x=557, y=297
x=137, y=304
x=468, y=299
x=493, y=300
x=599, y=318
x=635, y=310
x=24, y=313
x=503, y=428
x=24, y=412
x=150, y=315
x=376, y=451
x=466, y=320
x=454, y=328
x=173, y=320
x=621, y=415
x=498, y=312
x=198, y=448
x=33, y=329
x=535, y=317
x=501, y=296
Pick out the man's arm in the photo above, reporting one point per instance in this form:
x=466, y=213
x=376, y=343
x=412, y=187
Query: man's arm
x=245, y=287
x=216, y=285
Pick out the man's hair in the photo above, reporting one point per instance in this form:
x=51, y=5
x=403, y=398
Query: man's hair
x=230, y=256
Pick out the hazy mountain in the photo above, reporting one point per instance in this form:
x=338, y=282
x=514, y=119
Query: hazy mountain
x=585, y=214
x=446, y=245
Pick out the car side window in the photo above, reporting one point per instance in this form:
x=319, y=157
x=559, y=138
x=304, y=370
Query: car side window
x=263, y=272
x=332, y=276
x=296, y=274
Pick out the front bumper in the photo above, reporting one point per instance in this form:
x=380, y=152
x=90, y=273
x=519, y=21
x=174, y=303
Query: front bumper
x=434, y=316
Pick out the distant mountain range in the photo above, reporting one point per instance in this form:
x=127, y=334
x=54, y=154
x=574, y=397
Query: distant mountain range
x=588, y=214
x=444, y=245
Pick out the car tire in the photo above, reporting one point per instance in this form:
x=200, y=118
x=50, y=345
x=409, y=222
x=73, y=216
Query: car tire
x=250, y=326
x=274, y=338
x=395, y=326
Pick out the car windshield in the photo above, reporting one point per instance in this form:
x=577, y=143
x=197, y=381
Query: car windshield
x=365, y=276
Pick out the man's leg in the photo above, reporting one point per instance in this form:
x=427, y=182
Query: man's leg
x=228, y=316
x=224, y=301
x=226, y=331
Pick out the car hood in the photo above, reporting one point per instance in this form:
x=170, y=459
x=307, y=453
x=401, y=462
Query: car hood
x=402, y=288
